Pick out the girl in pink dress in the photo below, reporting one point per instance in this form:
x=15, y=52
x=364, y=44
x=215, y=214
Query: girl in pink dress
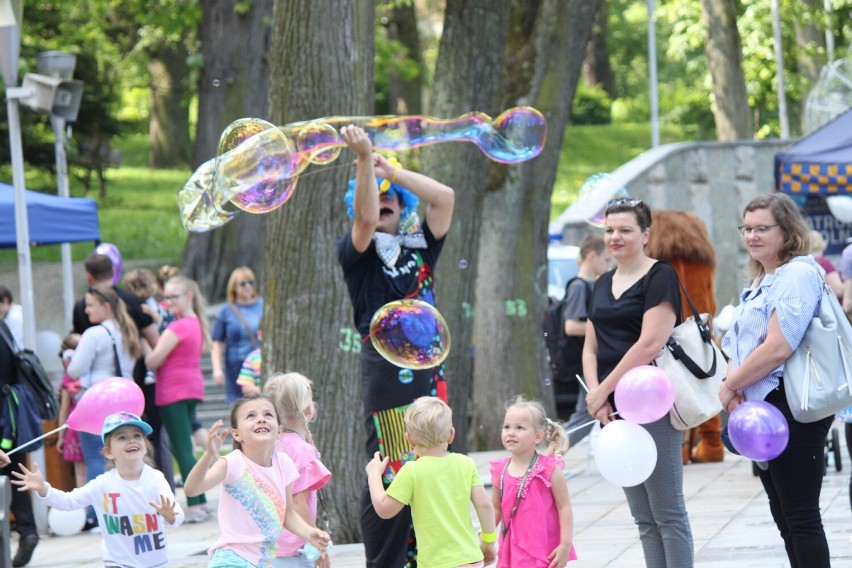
x=530, y=492
x=68, y=441
x=293, y=398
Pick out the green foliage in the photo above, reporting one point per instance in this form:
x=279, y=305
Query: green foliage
x=139, y=214
x=593, y=149
x=591, y=106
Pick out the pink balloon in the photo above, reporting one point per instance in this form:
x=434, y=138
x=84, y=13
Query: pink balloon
x=644, y=394
x=106, y=397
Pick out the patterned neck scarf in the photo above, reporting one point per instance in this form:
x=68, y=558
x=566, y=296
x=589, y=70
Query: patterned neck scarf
x=410, y=235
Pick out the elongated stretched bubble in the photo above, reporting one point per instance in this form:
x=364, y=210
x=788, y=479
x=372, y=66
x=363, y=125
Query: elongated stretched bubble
x=258, y=163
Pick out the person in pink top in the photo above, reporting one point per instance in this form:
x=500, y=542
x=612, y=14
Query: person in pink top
x=530, y=493
x=256, y=502
x=180, y=383
x=292, y=395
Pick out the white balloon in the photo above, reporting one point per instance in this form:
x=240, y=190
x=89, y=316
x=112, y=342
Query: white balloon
x=841, y=207
x=66, y=523
x=626, y=453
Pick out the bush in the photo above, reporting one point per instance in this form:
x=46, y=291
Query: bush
x=631, y=110
x=591, y=106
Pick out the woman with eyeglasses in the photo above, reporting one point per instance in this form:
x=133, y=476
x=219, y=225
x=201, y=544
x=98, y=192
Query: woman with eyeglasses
x=774, y=312
x=180, y=382
x=107, y=349
x=634, y=311
x=235, y=330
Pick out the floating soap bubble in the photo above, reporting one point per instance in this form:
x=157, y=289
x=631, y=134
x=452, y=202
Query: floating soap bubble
x=410, y=334
x=405, y=376
x=258, y=164
x=599, y=188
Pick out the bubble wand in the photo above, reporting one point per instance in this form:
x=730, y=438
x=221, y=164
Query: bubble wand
x=258, y=163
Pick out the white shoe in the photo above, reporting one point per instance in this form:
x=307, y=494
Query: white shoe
x=196, y=514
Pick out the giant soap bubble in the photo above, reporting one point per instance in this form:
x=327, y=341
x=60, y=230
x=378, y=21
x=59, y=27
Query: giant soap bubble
x=410, y=334
x=258, y=163
x=599, y=188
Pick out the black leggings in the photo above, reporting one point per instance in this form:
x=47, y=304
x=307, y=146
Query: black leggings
x=793, y=482
x=849, y=449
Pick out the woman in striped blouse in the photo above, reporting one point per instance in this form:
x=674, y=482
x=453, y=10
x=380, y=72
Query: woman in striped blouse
x=769, y=323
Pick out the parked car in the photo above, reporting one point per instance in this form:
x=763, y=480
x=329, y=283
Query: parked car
x=561, y=267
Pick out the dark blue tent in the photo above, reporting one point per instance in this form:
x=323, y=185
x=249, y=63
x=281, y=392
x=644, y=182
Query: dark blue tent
x=816, y=167
x=52, y=219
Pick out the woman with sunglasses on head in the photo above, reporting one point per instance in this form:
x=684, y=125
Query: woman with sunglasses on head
x=774, y=312
x=180, y=382
x=107, y=349
x=235, y=330
x=634, y=311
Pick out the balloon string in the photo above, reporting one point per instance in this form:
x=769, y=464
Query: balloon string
x=581, y=426
x=34, y=440
x=582, y=384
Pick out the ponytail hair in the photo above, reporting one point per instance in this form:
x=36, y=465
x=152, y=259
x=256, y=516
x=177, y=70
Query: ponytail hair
x=106, y=294
x=199, y=305
x=555, y=438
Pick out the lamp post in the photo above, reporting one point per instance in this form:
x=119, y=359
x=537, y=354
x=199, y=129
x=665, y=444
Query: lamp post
x=652, y=79
x=61, y=65
x=10, y=43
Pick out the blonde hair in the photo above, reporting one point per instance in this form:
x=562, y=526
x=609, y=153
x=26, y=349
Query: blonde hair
x=292, y=394
x=818, y=243
x=105, y=294
x=199, y=306
x=238, y=274
x=141, y=282
x=429, y=422
x=165, y=273
x=554, y=434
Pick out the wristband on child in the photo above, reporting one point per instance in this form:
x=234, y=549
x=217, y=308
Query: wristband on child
x=489, y=537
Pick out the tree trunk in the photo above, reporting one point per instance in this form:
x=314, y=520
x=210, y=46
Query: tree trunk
x=308, y=315
x=466, y=79
x=405, y=96
x=169, y=123
x=233, y=84
x=511, y=285
x=596, y=67
x=724, y=57
x=810, y=39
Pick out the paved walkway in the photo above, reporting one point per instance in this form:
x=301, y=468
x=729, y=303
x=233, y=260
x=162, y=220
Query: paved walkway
x=727, y=506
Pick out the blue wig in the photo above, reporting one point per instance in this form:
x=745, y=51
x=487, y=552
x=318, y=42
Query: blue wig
x=409, y=200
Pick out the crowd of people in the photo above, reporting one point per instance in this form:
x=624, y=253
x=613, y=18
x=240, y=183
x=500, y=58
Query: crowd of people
x=415, y=506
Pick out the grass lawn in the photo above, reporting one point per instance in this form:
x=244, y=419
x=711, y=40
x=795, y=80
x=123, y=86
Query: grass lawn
x=139, y=213
x=593, y=149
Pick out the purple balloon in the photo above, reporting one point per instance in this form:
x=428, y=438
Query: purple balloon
x=644, y=394
x=111, y=251
x=758, y=430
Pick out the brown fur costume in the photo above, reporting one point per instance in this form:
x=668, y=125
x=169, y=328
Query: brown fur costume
x=681, y=238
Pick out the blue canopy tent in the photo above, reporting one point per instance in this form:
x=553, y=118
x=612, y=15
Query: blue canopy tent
x=52, y=219
x=816, y=167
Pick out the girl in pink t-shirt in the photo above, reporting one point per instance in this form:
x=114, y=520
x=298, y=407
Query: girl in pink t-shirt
x=530, y=493
x=180, y=383
x=255, y=503
x=293, y=398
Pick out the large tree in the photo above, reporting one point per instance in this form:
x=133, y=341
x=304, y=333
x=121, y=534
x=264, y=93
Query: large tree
x=317, y=70
x=724, y=57
x=544, y=57
x=232, y=84
x=466, y=79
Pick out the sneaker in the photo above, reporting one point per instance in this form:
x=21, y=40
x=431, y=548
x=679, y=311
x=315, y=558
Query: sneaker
x=26, y=546
x=196, y=514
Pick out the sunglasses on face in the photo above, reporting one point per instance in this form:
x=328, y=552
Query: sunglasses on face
x=245, y=283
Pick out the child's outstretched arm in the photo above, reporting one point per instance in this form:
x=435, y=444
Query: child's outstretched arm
x=30, y=480
x=487, y=526
x=386, y=507
x=559, y=487
x=294, y=523
x=210, y=469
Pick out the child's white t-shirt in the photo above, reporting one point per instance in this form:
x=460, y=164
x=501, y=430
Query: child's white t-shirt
x=252, y=505
x=132, y=531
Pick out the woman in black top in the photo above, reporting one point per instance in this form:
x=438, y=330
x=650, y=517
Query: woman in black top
x=634, y=311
